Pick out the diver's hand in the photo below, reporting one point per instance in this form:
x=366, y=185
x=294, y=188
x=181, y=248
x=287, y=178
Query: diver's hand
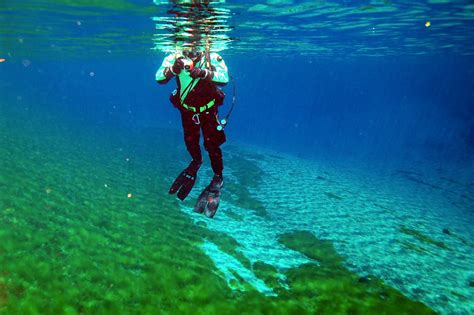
x=201, y=73
x=177, y=66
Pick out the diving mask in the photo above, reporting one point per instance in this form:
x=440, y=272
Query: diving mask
x=188, y=64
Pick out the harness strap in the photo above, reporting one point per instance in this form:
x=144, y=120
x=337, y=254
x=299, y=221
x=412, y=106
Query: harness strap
x=200, y=109
x=190, y=86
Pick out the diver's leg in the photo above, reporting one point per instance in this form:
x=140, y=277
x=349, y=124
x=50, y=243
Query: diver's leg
x=217, y=164
x=213, y=139
x=208, y=201
x=184, y=183
x=191, y=132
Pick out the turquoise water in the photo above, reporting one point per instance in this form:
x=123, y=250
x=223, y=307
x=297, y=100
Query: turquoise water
x=349, y=177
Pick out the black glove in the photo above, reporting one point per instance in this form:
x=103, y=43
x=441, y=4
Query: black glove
x=201, y=73
x=177, y=66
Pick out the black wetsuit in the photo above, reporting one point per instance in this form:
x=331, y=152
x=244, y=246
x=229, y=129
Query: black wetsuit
x=194, y=121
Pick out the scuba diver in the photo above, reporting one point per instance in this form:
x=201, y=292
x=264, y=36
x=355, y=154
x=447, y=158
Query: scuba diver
x=198, y=74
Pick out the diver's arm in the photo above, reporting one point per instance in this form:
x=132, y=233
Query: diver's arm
x=165, y=73
x=168, y=75
x=220, y=74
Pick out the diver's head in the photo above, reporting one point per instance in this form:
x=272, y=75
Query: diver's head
x=191, y=52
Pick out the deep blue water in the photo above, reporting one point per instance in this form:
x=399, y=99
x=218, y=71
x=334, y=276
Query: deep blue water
x=373, y=107
x=356, y=78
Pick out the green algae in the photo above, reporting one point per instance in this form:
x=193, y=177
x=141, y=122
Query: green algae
x=240, y=284
x=3, y=293
x=235, y=216
x=248, y=177
x=245, y=155
x=268, y=274
x=422, y=237
x=83, y=248
x=367, y=8
x=333, y=196
x=460, y=296
x=330, y=288
x=383, y=207
x=415, y=248
x=227, y=244
x=460, y=239
x=98, y=252
x=246, y=171
x=244, y=199
x=318, y=250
